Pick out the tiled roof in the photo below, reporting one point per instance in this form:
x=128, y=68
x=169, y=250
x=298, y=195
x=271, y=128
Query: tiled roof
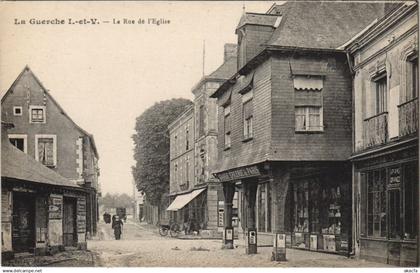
x=323, y=25
x=16, y=164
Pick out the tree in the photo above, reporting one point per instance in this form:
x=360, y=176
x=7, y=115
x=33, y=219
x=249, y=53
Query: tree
x=116, y=200
x=151, y=148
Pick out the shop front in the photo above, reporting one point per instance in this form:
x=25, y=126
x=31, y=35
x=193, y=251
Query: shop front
x=321, y=212
x=387, y=229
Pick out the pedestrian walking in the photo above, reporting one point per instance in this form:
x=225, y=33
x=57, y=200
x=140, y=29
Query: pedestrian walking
x=117, y=225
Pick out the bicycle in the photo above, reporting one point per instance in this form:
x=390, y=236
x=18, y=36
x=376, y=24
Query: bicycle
x=173, y=230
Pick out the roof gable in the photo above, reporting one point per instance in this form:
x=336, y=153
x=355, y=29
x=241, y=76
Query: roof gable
x=28, y=71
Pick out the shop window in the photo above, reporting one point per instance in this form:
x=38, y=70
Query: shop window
x=37, y=114
x=46, y=149
x=411, y=200
x=376, y=204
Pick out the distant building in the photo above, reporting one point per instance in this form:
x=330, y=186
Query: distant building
x=285, y=124
x=45, y=132
x=193, y=153
x=385, y=139
x=41, y=211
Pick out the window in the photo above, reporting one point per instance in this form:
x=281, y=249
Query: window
x=247, y=115
x=19, y=141
x=37, y=114
x=201, y=121
x=376, y=205
x=17, y=110
x=380, y=95
x=187, y=139
x=46, y=149
x=227, y=126
x=308, y=118
x=391, y=202
x=412, y=79
x=187, y=170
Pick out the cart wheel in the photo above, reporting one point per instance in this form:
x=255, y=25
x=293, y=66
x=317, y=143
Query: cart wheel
x=174, y=232
x=163, y=231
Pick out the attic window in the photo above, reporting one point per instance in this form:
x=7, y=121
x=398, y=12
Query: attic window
x=17, y=110
x=36, y=114
x=308, y=82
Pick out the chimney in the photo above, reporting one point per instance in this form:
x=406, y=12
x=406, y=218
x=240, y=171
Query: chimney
x=230, y=51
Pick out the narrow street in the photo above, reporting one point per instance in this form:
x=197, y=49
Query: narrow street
x=142, y=246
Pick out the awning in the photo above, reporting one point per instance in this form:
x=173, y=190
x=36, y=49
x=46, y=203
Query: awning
x=183, y=199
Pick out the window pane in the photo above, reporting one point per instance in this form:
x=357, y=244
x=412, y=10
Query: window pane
x=46, y=151
x=410, y=202
x=314, y=118
x=394, y=214
x=247, y=109
x=300, y=118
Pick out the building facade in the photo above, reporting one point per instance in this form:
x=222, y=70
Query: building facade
x=285, y=122
x=385, y=146
x=41, y=212
x=193, y=153
x=45, y=132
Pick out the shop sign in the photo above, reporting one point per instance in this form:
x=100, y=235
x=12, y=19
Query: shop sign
x=394, y=176
x=55, y=207
x=239, y=173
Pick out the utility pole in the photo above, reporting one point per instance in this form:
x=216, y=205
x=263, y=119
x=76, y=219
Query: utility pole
x=204, y=56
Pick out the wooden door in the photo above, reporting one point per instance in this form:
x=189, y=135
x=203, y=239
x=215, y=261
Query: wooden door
x=23, y=236
x=69, y=222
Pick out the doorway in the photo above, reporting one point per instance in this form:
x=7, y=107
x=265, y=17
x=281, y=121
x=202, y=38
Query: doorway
x=69, y=222
x=23, y=227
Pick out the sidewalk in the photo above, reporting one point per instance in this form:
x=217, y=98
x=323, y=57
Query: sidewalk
x=81, y=258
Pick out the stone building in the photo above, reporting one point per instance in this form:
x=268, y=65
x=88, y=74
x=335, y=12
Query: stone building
x=41, y=211
x=44, y=131
x=385, y=138
x=193, y=153
x=285, y=124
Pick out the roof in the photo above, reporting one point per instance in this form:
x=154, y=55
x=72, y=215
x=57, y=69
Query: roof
x=226, y=70
x=222, y=73
x=27, y=69
x=260, y=19
x=328, y=24
x=16, y=164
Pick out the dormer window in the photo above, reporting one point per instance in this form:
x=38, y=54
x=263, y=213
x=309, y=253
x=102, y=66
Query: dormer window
x=37, y=114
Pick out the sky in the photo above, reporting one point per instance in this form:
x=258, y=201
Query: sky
x=105, y=75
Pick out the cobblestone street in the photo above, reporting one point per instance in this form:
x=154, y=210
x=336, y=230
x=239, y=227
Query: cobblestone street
x=141, y=246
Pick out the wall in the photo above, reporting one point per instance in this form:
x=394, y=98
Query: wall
x=28, y=92
x=334, y=143
x=256, y=150
x=6, y=220
x=398, y=41
x=179, y=155
x=205, y=145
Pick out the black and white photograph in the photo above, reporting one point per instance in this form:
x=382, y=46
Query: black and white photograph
x=211, y=134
